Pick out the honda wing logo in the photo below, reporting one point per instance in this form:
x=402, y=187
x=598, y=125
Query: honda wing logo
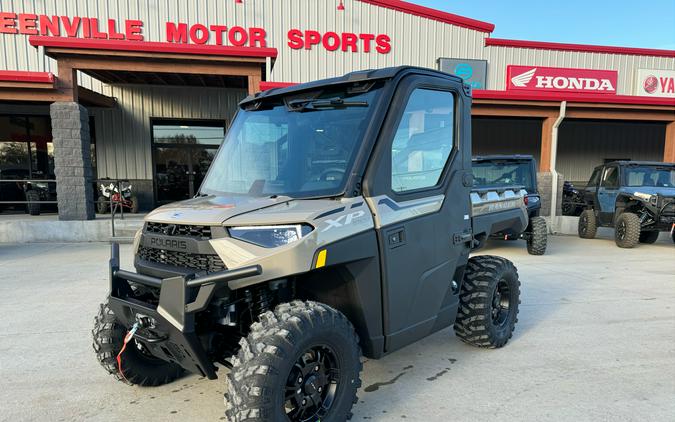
x=540, y=78
x=523, y=79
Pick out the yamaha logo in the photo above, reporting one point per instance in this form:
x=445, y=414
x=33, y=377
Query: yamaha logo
x=650, y=84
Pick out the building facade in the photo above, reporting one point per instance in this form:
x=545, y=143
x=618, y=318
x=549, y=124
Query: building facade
x=144, y=90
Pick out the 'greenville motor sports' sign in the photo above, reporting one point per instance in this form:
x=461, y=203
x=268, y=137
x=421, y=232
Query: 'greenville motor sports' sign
x=558, y=79
x=655, y=83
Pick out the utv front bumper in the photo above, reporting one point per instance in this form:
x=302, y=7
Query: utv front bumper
x=167, y=330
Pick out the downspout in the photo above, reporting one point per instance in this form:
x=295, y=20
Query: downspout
x=554, y=173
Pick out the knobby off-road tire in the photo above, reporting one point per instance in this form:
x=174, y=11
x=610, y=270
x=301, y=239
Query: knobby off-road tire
x=649, y=237
x=588, y=225
x=627, y=230
x=268, y=370
x=33, y=208
x=538, y=236
x=490, y=283
x=134, y=204
x=102, y=205
x=137, y=367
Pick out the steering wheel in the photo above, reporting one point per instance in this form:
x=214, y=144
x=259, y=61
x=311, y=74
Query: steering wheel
x=337, y=171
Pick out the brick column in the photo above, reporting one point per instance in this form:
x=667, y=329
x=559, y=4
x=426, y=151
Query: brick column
x=72, y=161
x=669, y=150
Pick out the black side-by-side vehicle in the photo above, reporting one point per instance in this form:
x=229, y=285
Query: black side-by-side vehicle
x=517, y=171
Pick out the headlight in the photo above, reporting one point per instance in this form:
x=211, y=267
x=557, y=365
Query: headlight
x=271, y=236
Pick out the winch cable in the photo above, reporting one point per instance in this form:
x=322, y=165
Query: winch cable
x=127, y=339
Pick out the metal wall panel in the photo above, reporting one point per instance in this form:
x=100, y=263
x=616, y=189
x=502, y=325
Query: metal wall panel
x=584, y=144
x=506, y=135
x=123, y=135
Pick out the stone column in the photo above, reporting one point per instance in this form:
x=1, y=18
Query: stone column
x=72, y=161
x=545, y=183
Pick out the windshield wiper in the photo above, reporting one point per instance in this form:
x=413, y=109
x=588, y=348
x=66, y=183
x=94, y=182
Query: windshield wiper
x=309, y=104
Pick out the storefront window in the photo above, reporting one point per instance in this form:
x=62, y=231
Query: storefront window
x=182, y=153
x=27, y=153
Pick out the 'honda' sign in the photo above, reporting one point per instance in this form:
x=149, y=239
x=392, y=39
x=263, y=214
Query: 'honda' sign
x=558, y=79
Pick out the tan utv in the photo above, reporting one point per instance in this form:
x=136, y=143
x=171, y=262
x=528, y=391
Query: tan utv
x=336, y=221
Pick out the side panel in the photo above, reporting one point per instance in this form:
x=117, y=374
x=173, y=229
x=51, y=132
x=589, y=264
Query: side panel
x=350, y=282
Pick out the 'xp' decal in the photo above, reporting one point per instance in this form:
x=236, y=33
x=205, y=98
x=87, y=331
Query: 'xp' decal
x=343, y=220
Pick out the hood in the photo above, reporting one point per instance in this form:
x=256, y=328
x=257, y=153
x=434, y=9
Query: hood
x=210, y=210
x=650, y=190
x=246, y=210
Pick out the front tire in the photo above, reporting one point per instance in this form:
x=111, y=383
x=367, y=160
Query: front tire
x=300, y=362
x=488, y=302
x=137, y=367
x=588, y=225
x=33, y=206
x=538, y=236
x=649, y=237
x=627, y=230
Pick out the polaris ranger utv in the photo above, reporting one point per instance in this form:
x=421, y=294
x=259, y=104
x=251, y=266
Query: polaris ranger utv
x=515, y=171
x=636, y=198
x=334, y=221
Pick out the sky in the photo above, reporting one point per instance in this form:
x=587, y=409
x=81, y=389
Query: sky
x=644, y=24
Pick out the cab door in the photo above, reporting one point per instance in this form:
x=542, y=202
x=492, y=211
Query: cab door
x=417, y=190
x=607, y=193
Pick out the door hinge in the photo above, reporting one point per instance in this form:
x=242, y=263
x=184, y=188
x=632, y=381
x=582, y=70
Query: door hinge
x=464, y=237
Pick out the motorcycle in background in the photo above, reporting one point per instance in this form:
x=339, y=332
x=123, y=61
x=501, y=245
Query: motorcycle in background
x=112, y=196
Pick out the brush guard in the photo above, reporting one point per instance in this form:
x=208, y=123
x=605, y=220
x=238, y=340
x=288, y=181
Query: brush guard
x=167, y=331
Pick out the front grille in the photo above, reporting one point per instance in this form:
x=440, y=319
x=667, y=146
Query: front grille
x=180, y=230
x=202, y=262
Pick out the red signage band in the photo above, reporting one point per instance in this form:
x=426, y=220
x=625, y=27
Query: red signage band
x=558, y=79
x=179, y=32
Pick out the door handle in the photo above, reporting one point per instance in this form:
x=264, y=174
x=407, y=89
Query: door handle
x=396, y=237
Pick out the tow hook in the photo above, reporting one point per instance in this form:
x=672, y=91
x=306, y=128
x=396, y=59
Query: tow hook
x=145, y=321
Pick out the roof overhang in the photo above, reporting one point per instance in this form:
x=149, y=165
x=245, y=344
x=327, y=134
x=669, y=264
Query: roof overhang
x=163, y=63
x=40, y=87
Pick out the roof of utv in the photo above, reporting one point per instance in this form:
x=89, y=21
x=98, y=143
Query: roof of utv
x=638, y=163
x=502, y=157
x=358, y=76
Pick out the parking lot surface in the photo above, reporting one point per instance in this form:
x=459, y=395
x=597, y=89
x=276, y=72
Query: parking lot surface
x=595, y=341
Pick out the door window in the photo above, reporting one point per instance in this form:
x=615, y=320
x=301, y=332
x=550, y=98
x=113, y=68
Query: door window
x=611, y=178
x=595, y=178
x=423, y=140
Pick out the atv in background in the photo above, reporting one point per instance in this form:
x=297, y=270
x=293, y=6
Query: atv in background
x=636, y=198
x=573, y=198
x=517, y=171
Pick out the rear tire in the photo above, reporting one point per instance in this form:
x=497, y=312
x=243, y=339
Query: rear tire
x=134, y=204
x=538, y=236
x=588, y=225
x=102, y=205
x=649, y=237
x=627, y=230
x=488, y=302
x=137, y=367
x=275, y=368
x=33, y=207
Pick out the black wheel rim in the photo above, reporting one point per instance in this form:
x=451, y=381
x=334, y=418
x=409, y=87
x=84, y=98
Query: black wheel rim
x=501, y=304
x=311, y=387
x=621, y=230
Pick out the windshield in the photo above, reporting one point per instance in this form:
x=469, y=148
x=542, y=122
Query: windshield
x=491, y=174
x=300, y=146
x=663, y=177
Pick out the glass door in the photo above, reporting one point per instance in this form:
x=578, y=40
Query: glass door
x=182, y=153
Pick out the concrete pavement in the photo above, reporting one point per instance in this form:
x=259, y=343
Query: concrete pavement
x=595, y=341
